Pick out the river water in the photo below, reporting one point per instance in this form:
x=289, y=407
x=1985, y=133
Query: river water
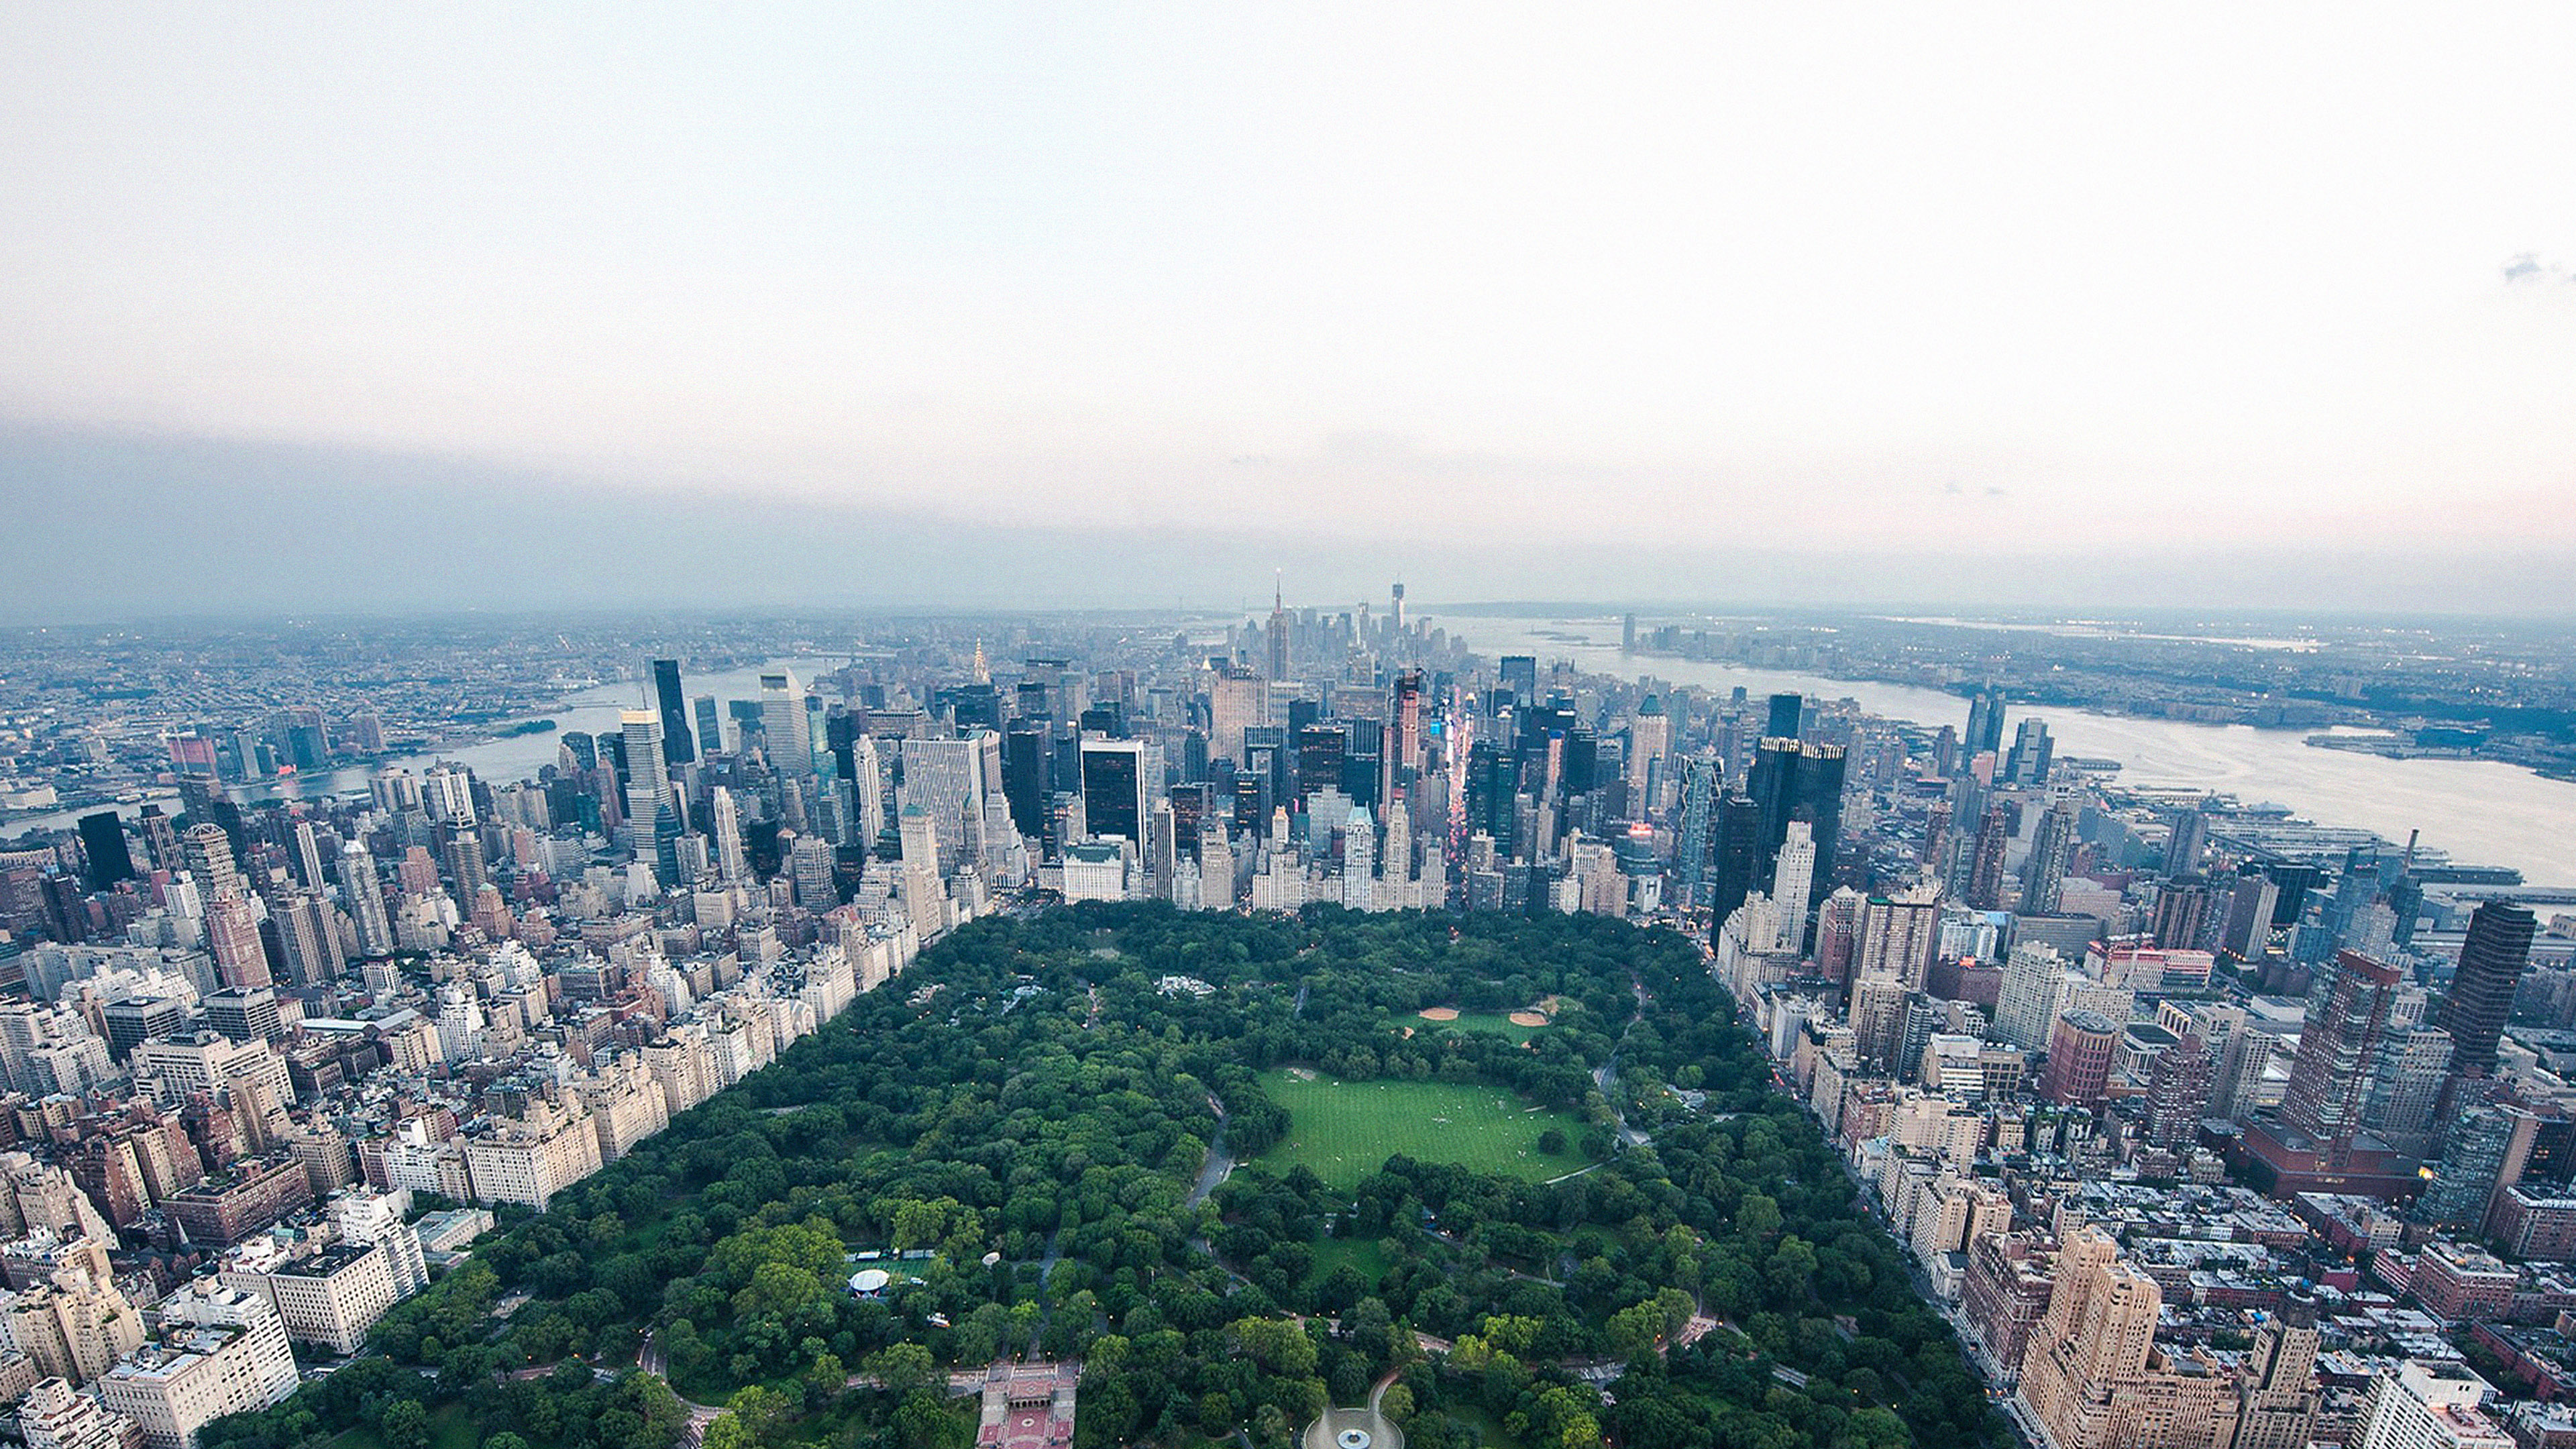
x=2482, y=812
x=501, y=761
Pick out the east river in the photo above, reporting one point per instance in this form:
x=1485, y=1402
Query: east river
x=2482, y=812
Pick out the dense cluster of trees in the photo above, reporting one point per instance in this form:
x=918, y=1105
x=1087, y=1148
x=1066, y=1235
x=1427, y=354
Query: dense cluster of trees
x=1013, y=1131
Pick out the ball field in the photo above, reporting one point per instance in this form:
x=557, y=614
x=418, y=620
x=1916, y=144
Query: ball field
x=1346, y=1130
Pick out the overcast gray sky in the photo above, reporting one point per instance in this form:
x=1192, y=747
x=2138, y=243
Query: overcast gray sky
x=1964, y=281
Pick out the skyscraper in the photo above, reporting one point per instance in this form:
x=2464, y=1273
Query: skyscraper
x=1793, y=877
x=2052, y=846
x=677, y=746
x=1985, y=724
x=2330, y=1078
x=1802, y=782
x=789, y=737
x=1277, y=635
x=1785, y=709
x=2187, y=844
x=209, y=854
x=2481, y=997
x=103, y=841
x=648, y=779
x=1986, y=859
x=365, y=898
x=1736, y=853
x=1114, y=788
x=725, y=820
x=2031, y=753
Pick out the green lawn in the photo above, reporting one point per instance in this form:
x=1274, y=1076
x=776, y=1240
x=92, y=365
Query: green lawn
x=1368, y=1255
x=1497, y=1023
x=1346, y=1130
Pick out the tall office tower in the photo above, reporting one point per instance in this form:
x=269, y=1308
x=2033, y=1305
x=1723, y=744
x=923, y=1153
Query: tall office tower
x=1115, y=792
x=2277, y=1402
x=2491, y=961
x=1027, y=776
x=1519, y=674
x=1793, y=877
x=725, y=820
x=1364, y=764
x=1277, y=635
x=1395, y=857
x=1986, y=859
x=365, y=899
x=2052, y=847
x=1785, y=709
x=2247, y=935
x=2031, y=752
x=2188, y=843
x=2182, y=904
x=465, y=863
x=1650, y=741
x=867, y=791
x=1985, y=724
x=103, y=842
x=1359, y=853
x=949, y=781
x=2429, y=1404
x=678, y=748
x=160, y=838
x=1237, y=700
x=1794, y=781
x=2178, y=1084
x=1321, y=749
x=209, y=854
x=307, y=941
x=648, y=779
x=710, y=738
x=232, y=937
x=2330, y=1079
x=788, y=737
x=1693, y=836
x=308, y=854
x=1736, y=853
x=1402, y=746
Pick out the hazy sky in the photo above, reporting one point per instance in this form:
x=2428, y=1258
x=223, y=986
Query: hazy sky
x=2063, y=282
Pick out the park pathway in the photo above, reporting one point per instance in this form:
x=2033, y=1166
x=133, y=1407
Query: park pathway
x=1218, y=1167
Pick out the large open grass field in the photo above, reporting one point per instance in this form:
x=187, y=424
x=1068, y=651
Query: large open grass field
x=1494, y=1023
x=1346, y=1130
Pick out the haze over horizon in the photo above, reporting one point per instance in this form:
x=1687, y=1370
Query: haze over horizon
x=2004, y=307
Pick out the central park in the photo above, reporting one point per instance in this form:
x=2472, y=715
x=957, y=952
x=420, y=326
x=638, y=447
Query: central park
x=1527, y=1173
